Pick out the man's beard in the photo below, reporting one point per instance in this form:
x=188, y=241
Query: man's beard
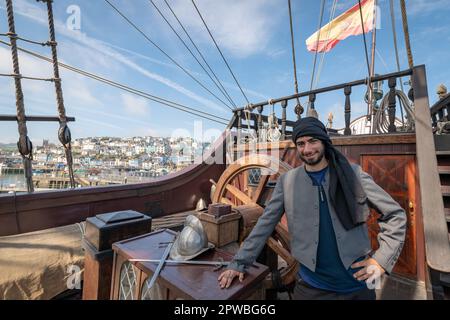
x=312, y=162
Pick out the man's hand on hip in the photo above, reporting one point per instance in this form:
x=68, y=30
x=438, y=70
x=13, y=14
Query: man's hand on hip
x=226, y=278
x=370, y=267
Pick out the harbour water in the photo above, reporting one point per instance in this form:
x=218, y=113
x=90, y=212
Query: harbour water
x=11, y=182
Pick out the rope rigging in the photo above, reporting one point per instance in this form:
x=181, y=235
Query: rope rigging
x=163, y=52
x=199, y=52
x=322, y=56
x=24, y=144
x=64, y=134
x=397, y=60
x=298, y=106
x=128, y=89
x=406, y=33
x=13, y=75
x=220, y=51
x=322, y=6
x=190, y=51
x=372, y=64
x=9, y=34
x=309, y=112
x=369, y=83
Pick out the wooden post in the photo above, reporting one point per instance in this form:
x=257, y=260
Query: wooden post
x=260, y=124
x=283, y=119
x=239, y=127
x=441, y=115
x=312, y=99
x=347, y=92
x=391, y=108
x=101, y=232
x=260, y=110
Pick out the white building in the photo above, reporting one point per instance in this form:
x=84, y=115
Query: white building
x=139, y=149
x=135, y=163
x=162, y=148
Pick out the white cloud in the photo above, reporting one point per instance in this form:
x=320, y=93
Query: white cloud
x=145, y=131
x=424, y=33
x=98, y=123
x=38, y=15
x=422, y=7
x=343, y=5
x=241, y=27
x=275, y=53
x=43, y=93
x=28, y=66
x=5, y=60
x=79, y=91
x=135, y=105
x=141, y=56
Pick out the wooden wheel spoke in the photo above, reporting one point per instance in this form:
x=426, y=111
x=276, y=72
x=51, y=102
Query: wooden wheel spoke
x=279, y=250
x=260, y=188
x=239, y=194
x=226, y=201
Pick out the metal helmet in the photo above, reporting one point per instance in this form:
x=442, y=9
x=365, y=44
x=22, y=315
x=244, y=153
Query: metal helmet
x=201, y=205
x=191, y=241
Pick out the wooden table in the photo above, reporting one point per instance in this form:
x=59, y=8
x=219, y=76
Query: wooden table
x=176, y=281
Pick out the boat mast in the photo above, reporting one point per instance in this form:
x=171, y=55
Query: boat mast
x=372, y=65
x=406, y=34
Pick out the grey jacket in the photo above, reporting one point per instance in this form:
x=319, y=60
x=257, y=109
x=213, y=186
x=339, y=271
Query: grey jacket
x=296, y=195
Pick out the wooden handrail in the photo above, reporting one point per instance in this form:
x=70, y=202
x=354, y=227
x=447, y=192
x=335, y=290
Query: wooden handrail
x=434, y=223
x=312, y=95
x=437, y=110
x=332, y=88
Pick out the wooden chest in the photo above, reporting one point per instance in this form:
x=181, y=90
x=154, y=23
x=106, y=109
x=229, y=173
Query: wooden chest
x=221, y=230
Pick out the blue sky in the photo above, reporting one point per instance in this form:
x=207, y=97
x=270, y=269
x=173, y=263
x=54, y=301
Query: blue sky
x=253, y=35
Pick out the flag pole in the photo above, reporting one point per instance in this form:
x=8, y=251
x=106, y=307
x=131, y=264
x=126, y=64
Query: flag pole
x=372, y=65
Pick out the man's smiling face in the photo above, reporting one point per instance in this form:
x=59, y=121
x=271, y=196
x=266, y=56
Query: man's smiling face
x=311, y=150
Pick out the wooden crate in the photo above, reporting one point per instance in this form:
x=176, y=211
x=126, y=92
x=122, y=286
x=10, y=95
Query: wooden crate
x=221, y=230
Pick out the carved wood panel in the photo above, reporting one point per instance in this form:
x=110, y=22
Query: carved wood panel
x=396, y=175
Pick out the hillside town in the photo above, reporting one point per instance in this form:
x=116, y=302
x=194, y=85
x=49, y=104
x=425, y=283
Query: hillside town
x=105, y=160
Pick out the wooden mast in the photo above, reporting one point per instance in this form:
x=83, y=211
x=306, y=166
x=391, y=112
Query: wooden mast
x=372, y=65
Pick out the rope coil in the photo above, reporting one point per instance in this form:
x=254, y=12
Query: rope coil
x=381, y=119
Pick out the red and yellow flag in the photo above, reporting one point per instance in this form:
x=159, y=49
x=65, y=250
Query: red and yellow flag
x=347, y=24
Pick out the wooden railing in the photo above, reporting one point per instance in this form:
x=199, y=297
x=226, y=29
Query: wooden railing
x=440, y=111
x=254, y=111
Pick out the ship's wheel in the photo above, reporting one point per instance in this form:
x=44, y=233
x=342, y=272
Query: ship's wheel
x=235, y=189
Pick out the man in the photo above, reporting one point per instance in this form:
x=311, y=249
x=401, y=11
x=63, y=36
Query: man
x=326, y=203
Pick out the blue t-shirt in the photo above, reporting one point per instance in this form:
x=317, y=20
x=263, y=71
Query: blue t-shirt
x=330, y=273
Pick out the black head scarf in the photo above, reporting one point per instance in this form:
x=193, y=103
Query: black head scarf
x=346, y=192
